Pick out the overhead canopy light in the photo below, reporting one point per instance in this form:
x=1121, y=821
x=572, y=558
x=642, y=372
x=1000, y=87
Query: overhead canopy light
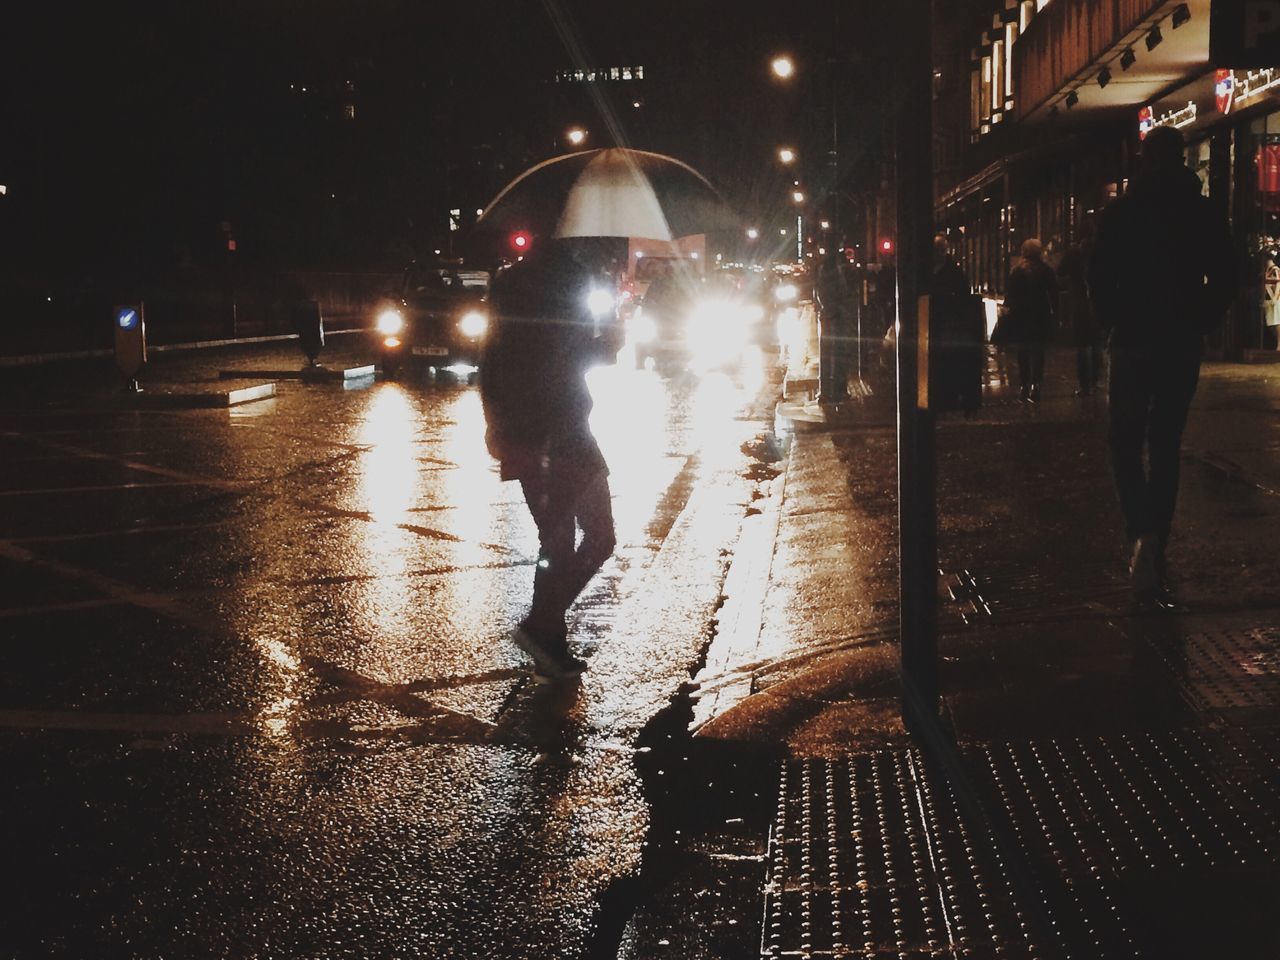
x=1154, y=37
x=1127, y=58
x=1181, y=14
x=1072, y=99
x=1104, y=76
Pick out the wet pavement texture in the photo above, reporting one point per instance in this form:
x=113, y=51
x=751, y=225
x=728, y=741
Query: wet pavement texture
x=258, y=698
x=1103, y=781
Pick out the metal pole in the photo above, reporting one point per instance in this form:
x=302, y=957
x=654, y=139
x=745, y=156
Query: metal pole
x=917, y=494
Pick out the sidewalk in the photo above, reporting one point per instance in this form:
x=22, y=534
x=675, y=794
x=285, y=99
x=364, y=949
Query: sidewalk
x=1105, y=779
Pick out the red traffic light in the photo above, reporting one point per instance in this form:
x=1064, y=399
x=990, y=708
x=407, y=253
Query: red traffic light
x=886, y=245
x=521, y=241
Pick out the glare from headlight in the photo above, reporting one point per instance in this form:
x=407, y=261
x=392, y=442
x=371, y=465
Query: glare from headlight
x=642, y=328
x=390, y=322
x=716, y=332
x=601, y=302
x=785, y=293
x=473, y=324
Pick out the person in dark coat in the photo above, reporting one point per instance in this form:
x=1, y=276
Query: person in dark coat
x=1160, y=277
x=554, y=317
x=1030, y=295
x=1085, y=332
x=956, y=330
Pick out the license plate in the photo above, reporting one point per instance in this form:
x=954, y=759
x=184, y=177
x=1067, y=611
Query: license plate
x=430, y=351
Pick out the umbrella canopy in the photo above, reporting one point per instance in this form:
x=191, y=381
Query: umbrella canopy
x=609, y=193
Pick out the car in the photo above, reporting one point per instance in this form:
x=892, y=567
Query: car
x=440, y=313
x=704, y=324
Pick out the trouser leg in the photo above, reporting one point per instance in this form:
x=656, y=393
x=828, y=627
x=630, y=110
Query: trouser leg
x=1171, y=402
x=593, y=512
x=1037, y=363
x=1128, y=403
x=552, y=510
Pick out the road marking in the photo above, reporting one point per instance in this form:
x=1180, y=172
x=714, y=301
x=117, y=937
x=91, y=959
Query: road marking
x=105, y=488
x=58, y=608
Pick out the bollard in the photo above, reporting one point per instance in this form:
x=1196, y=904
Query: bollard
x=308, y=324
x=130, y=342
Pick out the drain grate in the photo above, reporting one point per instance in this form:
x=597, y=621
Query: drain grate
x=1227, y=669
x=1032, y=853
x=977, y=598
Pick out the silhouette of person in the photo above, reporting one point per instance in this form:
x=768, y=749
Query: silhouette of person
x=1160, y=277
x=1030, y=293
x=555, y=316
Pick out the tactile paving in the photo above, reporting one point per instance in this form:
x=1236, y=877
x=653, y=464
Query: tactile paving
x=1024, y=855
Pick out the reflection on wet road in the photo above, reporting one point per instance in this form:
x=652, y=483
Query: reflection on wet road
x=262, y=687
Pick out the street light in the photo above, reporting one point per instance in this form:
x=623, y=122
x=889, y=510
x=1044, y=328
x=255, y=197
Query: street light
x=786, y=155
x=576, y=136
x=783, y=67
x=753, y=233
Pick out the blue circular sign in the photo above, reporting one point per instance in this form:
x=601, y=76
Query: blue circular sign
x=127, y=318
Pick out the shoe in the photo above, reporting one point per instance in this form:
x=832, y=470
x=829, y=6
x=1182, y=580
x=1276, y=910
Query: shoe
x=1144, y=574
x=552, y=660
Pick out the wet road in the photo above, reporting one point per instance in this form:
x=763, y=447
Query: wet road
x=257, y=698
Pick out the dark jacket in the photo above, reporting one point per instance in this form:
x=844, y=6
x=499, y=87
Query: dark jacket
x=1162, y=270
x=542, y=341
x=1029, y=299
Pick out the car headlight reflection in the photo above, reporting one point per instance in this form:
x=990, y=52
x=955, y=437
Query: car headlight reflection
x=717, y=331
x=786, y=292
x=473, y=324
x=601, y=302
x=390, y=322
x=642, y=328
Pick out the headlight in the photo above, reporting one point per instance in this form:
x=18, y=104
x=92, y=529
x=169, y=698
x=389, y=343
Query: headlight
x=786, y=292
x=473, y=324
x=642, y=328
x=716, y=332
x=601, y=302
x=390, y=322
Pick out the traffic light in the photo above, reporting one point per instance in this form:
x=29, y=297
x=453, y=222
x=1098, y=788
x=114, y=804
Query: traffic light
x=886, y=246
x=521, y=241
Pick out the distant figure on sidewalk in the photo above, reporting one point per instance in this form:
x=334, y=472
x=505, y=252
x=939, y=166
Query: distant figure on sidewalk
x=956, y=332
x=554, y=317
x=1086, y=334
x=837, y=311
x=1030, y=294
x=1161, y=276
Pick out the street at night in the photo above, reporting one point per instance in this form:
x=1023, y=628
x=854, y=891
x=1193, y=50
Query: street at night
x=626, y=482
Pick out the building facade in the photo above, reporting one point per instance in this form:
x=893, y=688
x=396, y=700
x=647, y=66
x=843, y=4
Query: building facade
x=1060, y=94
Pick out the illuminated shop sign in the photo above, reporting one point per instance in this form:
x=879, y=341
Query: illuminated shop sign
x=1148, y=120
x=1251, y=84
x=1224, y=90
x=1233, y=90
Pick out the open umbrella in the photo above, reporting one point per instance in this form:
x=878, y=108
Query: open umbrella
x=609, y=193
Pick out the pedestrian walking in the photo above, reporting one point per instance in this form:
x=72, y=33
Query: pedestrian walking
x=555, y=316
x=837, y=311
x=1031, y=292
x=1160, y=277
x=1086, y=334
x=956, y=331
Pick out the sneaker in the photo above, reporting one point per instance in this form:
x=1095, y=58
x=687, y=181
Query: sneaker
x=551, y=659
x=1143, y=562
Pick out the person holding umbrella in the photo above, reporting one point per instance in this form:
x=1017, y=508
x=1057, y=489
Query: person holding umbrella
x=555, y=317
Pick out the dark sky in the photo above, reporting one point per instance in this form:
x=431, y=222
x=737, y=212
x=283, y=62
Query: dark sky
x=137, y=125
